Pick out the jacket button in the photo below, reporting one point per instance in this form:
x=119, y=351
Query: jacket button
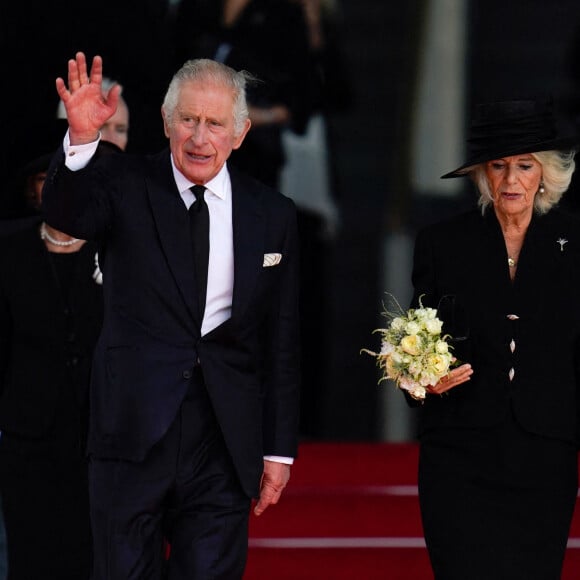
x=187, y=374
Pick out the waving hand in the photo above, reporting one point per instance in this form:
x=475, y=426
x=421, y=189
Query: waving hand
x=86, y=107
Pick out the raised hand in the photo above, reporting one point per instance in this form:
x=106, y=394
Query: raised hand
x=87, y=108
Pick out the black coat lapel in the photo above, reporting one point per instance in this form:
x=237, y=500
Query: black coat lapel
x=249, y=231
x=171, y=218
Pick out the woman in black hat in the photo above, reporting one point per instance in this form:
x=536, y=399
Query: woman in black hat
x=498, y=436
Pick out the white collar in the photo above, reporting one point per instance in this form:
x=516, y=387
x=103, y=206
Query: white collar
x=217, y=185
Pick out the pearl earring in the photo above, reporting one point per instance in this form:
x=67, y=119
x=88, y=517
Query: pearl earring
x=542, y=189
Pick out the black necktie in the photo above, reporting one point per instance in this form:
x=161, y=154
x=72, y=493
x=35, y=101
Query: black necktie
x=199, y=221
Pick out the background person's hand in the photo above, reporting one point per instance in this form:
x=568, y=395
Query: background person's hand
x=454, y=378
x=87, y=108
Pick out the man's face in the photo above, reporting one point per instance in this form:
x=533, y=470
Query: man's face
x=116, y=129
x=201, y=132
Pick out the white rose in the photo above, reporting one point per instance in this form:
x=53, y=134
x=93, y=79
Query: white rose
x=433, y=326
x=426, y=313
x=412, y=327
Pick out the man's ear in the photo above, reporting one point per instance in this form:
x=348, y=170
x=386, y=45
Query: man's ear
x=165, y=123
x=239, y=139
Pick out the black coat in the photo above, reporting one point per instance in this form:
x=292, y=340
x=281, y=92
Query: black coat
x=46, y=344
x=151, y=340
x=461, y=266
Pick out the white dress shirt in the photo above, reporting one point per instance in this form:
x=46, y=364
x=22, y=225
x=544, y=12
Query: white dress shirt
x=220, y=275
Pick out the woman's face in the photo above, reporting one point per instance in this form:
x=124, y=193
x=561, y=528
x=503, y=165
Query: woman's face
x=33, y=191
x=514, y=182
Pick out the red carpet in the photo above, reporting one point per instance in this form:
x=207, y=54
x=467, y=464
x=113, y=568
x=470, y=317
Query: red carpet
x=351, y=512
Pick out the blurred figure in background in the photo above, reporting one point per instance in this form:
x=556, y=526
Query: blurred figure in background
x=308, y=173
x=50, y=315
x=33, y=175
x=23, y=184
x=268, y=38
x=308, y=177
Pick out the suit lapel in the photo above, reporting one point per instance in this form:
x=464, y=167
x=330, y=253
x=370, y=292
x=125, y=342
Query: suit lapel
x=248, y=229
x=172, y=223
x=170, y=215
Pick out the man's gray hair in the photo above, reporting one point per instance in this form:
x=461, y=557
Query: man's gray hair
x=203, y=69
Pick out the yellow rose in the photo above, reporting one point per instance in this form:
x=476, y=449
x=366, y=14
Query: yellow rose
x=437, y=364
x=411, y=344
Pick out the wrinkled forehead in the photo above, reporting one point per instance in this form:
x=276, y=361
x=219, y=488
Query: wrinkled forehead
x=209, y=99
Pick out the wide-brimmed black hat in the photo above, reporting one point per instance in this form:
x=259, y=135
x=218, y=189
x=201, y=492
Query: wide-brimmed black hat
x=504, y=128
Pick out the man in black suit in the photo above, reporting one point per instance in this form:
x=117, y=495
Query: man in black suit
x=194, y=410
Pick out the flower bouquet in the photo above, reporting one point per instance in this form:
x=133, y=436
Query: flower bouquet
x=413, y=352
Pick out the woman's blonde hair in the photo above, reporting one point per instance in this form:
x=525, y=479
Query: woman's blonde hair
x=557, y=170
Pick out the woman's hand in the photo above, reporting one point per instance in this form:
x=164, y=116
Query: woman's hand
x=87, y=108
x=451, y=380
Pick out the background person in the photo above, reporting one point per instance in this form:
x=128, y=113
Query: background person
x=268, y=38
x=499, y=435
x=194, y=399
x=44, y=418
x=50, y=315
x=308, y=176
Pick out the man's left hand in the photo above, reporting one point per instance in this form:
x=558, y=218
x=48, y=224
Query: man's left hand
x=274, y=480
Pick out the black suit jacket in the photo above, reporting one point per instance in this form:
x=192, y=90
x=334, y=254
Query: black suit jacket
x=46, y=344
x=530, y=326
x=151, y=340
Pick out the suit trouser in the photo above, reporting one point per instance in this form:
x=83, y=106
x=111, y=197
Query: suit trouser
x=185, y=491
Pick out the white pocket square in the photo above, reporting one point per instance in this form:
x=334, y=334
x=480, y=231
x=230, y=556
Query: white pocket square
x=271, y=260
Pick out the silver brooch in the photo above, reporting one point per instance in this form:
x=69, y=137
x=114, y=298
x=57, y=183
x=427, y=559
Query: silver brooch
x=562, y=242
x=97, y=274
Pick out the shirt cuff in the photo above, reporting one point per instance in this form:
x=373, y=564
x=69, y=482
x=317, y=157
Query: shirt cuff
x=279, y=459
x=78, y=156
